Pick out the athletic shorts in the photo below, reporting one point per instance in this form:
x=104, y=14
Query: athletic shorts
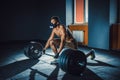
x=72, y=44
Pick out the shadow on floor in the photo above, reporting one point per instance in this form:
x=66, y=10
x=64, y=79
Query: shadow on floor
x=15, y=68
x=87, y=75
x=100, y=63
x=52, y=76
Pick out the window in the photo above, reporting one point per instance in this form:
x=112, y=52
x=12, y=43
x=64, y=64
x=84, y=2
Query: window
x=80, y=11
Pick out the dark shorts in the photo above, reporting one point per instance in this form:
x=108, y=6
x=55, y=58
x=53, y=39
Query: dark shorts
x=72, y=44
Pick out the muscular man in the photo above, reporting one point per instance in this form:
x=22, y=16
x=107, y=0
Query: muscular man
x=65, y=38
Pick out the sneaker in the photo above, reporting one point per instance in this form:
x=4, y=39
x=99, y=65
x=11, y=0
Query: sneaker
x=54, y=62
x=92, y=54
x=56, y=56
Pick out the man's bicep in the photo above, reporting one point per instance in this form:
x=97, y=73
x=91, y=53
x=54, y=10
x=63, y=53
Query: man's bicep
x=63, y=38
x=63, y=31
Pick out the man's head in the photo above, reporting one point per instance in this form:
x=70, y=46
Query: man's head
x=55, y=21
x=55, y=18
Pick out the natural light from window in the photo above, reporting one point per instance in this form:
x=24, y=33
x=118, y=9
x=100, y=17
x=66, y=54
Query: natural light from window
x=80, y=11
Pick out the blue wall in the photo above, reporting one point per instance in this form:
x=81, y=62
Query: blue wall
x=113, y=12
x=98, y=24
x=101, y=16
x=119, y=11
x=69, y=12
x=28, y=19
x=102, y=13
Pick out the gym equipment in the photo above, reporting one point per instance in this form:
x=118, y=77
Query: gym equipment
x=33, y=50
x=70, y=61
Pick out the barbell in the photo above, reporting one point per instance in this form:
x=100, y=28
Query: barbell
x=71, y=61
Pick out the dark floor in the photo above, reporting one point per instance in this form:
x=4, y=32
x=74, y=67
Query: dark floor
x=14, y=65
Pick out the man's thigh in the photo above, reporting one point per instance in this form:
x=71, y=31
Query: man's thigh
x=57, y=41
x=72, y=44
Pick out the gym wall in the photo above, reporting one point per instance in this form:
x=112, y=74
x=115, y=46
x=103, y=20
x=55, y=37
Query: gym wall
x=69, y=12
x=118, y=11
x=28, y=19
x=102, y=14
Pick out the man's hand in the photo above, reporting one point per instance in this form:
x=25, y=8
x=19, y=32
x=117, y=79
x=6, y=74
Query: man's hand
x=43, y=51
x=56, y=55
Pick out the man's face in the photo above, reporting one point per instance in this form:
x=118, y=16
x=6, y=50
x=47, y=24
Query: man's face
x=53, y=21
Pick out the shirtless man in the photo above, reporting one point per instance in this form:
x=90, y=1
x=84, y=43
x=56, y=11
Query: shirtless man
x=65, y=38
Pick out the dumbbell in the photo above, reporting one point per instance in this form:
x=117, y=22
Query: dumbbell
x=70, y=61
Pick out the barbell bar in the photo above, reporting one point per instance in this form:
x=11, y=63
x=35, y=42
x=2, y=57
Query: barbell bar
x=70, y=61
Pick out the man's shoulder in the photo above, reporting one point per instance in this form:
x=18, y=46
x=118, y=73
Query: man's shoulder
x=62, y=26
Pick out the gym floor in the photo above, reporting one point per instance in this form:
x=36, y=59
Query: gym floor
x=14, y=65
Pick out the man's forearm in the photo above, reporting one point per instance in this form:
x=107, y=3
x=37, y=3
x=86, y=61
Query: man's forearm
x=47, y=45
x=61, y=47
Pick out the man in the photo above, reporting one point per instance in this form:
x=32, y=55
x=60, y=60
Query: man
x=65, y=38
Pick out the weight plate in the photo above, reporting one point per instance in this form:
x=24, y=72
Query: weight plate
x=72, y=61
x=33, y=50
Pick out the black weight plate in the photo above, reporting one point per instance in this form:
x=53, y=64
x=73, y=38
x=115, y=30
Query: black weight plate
x=64, y=59
x=61, y=60
x=33, y=50
x=72, y=61
x=77, y=63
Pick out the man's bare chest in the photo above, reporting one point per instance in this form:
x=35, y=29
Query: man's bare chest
x=58, y=32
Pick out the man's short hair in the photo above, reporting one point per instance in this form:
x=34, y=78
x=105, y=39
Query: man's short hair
x=56, y=18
